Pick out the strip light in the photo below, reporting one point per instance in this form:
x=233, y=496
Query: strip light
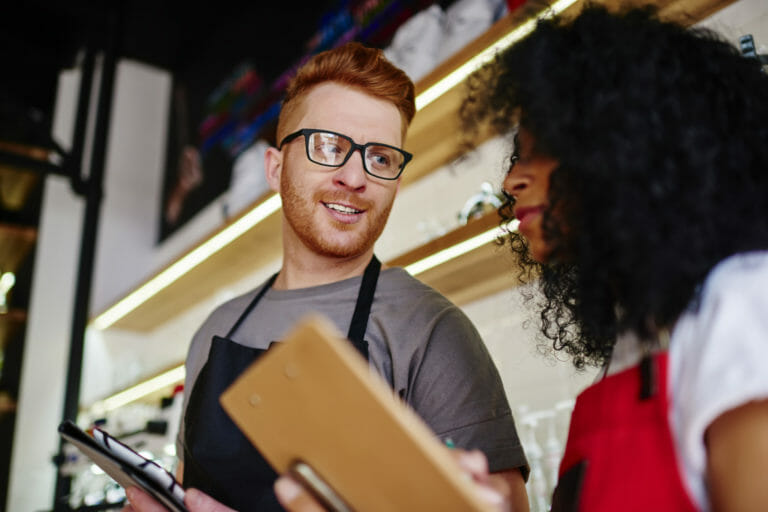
x=457, y=250
x=177, y=374
x=476, y=62
x=186, y=263
x=140, y=390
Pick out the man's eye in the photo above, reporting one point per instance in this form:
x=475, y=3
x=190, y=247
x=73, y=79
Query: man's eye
x=328, y=148
x=381, y=159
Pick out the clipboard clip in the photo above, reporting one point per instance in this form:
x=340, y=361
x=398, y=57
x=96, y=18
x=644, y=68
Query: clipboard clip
x=317, y=487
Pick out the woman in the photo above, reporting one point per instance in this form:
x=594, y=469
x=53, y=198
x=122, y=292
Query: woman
x=640, y=180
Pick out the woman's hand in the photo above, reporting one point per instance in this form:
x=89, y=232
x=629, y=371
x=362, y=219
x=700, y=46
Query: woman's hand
x=294, y=497
x=491, y=489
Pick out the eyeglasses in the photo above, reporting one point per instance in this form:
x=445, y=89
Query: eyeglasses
x=333, y=149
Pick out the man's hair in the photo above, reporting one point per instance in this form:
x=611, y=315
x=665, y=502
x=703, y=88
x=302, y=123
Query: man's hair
x=661, y=138
x=353, y=65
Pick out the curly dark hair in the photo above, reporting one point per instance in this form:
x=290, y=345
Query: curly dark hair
x=661, y=134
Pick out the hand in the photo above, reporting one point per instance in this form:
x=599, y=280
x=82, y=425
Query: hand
x=491, y=489
x=294, y=497
x=196, y=501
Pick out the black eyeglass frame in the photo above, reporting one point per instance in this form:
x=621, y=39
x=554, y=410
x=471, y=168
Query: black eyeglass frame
x=354, y=146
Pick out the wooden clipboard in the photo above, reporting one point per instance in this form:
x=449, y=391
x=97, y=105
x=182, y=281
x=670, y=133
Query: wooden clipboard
x=313, y=399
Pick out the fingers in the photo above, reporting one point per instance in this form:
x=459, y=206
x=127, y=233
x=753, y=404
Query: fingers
x=491, y=489
x=473, y=462
x=294, y=498
x=198, y=501
x=141, y=502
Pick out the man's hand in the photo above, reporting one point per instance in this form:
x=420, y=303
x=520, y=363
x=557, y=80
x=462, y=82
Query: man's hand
x=294, y=497
x=196, y=501
x=492, y=489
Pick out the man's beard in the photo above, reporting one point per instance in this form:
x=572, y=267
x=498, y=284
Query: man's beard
x=298, y=211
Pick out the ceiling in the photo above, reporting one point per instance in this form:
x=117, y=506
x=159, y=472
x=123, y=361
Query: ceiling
x=40, y=38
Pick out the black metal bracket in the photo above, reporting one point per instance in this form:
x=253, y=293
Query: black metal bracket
x=48, y=157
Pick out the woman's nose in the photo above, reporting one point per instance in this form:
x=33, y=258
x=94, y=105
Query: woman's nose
x=514, y=183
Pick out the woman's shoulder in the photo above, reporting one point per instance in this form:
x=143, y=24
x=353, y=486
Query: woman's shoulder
x=741, y=272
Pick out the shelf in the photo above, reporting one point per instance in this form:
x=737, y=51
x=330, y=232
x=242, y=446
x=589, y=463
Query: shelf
x=435, y=139
x=16, y=182
x=10, y=323
x=15, y=244
x=483, y=271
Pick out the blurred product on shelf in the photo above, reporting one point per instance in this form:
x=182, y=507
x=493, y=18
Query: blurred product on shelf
x=480, y=203
x=248, y=182
x=432, y=35
x=416, y=44
x=464, y=21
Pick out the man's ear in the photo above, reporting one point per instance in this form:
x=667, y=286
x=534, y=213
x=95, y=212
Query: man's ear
x=273, y=166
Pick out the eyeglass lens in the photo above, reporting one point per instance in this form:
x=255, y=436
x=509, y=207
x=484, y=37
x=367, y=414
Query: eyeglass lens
x=331, y=149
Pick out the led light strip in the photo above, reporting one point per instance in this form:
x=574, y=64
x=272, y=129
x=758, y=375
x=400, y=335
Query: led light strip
x=177, y=374
x=140, y=390
x=457, y=250
x=476, y=62
x=186, y=263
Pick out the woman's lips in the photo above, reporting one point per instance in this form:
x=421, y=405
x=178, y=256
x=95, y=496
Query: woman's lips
x=526, y=215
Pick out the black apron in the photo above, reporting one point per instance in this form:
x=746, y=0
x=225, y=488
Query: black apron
x=218, y=459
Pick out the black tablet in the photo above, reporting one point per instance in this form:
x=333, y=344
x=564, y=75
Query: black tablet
x=126, y=466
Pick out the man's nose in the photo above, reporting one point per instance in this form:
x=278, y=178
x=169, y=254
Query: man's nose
x=352, y=174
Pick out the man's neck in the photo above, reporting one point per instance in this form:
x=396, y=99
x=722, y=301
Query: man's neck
x=303, y=271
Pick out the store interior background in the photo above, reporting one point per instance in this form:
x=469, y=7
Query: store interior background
x=540, y=386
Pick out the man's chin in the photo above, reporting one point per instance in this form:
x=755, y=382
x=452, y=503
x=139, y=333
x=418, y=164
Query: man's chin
x=343, y=248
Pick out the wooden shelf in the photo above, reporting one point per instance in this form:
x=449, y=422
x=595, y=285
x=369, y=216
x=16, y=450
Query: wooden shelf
x=478, y=273
x=256, y=248
x=435, y=139
x=16, y=182
x=10, y=323
x=15, y=244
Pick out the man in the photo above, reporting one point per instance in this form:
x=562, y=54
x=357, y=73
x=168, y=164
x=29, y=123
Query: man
x=337, y=168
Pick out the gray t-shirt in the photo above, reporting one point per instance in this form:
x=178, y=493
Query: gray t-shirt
x=421, y=343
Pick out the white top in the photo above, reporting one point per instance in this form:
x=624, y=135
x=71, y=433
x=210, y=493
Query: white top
x=718, y=359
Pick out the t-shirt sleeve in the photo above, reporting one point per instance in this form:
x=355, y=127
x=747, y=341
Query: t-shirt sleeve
x=457, y=389
x=719, y=355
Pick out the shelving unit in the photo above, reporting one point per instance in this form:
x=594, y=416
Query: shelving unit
x=16, y=242
x=18, y=229
x=435, y=138
x=20, y=192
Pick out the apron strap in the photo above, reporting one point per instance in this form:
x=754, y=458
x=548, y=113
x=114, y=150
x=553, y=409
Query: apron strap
x=252, y=304
x=359, y=322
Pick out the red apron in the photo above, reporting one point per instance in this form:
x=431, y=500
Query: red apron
x=620, y=454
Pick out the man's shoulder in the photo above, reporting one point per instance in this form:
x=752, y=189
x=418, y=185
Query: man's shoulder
x=415, y=301
x=395, y=281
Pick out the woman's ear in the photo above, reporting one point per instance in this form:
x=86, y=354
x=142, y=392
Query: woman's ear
x=273, y=166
